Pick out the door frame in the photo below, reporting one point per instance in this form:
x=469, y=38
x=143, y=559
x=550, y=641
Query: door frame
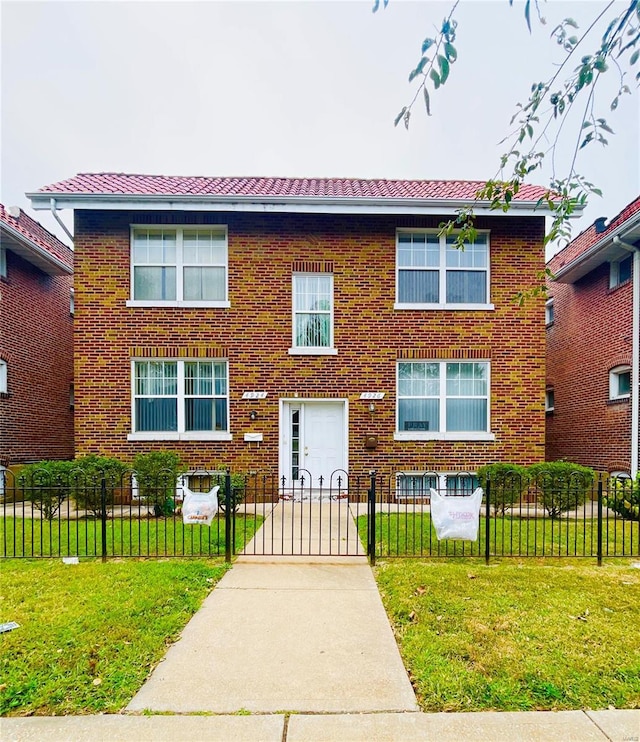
x=284, y=441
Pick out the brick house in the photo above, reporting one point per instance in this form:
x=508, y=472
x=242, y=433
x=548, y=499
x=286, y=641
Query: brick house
x=294, y=325
x=36, y=342
x=593, y=344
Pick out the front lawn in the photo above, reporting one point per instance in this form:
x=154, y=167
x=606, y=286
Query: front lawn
x=516, y=636
x=90, y=633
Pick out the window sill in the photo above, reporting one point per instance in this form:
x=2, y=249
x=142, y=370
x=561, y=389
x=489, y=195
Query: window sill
x=457, y=436
x=619, y=400
x=180, y=304
x=448, y=307
x=313, y=352
x=173, y=436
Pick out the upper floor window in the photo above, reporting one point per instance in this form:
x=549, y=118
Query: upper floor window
x=549, y=312
x=620, y=271
x=72, y=302
x=620, y=382
x=179, y=266
x=180, y=400
x=312, y=313
x=3, y=262
x=549, y=400
x=443, y=399
x=4, y=382
x=432, y=273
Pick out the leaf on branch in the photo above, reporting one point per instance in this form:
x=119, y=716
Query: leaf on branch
x=427, y=103
x=427, y=43
x=399, y=116
x=444, y=68
x=634, y=57
x=450, y=51
x=436, y=78
x=527, y=14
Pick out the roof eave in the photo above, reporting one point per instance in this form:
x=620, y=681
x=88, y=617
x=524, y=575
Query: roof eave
x=300, y=204
x=600, y=252
x=34, y=253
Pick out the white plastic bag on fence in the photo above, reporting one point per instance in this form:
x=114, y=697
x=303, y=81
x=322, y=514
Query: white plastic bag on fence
x=199, y=508
x=456, y=517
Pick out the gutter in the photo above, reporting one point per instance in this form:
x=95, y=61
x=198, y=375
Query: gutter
x=319, y=204
x=52, y=205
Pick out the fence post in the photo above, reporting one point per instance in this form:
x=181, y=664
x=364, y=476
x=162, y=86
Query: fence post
x=228, y=499
x=487, y=522
x=600, y=521
x=371, y=529
x=103, y=516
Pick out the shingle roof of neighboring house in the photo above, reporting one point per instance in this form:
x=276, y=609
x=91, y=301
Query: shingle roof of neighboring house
x=593, y=245
x=27, y=237
x=591, y=236
x=127, y=184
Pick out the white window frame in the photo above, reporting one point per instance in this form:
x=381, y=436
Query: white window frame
x=614, y=382
x=181, y=434
x=443, y=435
x=4, y=376
x=442, y=269
x=549, y=312
x=549, y=400
x=3, y=262
x=72, y=302
x=614, y=271
x=179, y=265
x=312, y=350
x=441, y=483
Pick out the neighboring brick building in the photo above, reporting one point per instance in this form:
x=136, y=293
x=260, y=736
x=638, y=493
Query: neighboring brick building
x=36, y=342
x=289, y=324
x=593, y=339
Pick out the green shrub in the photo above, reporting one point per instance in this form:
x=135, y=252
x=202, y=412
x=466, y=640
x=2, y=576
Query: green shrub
x=46, y=484
x=561, y=485
x=506, y=482
x=624, y=497
x=238, y=485
x=157, y=473
x=88, y=473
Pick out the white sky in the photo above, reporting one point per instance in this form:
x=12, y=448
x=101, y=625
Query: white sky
x=279, y=89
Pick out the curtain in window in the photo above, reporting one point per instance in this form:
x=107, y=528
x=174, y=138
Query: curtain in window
x=312, y=306
x=156, y=403
x=418, y=287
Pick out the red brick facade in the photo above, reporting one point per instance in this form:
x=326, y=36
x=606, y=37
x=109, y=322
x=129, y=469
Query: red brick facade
x=36, y=343
x=255, y=333
x=591, y=334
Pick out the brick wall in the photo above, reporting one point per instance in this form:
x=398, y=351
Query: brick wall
x=255, y=335
x=36, y=341
x=591, y=334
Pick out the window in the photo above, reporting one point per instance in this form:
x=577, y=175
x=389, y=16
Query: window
x=72, y=302
x=72, y=396
x=412, y=486
x=179, y=266
x=180, y=400
x=549, y=312
x=4, y=381
x=443, y=400
x=620, y=382
x=312, y=313
x=620, y=271
x=3, y=262
x=549, y=400
x=432, y=273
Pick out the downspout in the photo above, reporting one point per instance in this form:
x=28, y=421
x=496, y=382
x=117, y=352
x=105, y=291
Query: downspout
x=635, y=354
x=54, y=211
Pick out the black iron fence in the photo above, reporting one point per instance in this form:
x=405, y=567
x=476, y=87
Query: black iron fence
x=382, y=515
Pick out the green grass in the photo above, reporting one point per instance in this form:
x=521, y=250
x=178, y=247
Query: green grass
x=90, y=633
x=125, y=537
x=516, y=636
x=409, y=534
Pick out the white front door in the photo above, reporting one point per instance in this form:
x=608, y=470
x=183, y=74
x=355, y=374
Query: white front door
x=313, y=440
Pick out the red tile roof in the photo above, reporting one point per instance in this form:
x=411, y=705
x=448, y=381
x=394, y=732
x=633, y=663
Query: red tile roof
x=37, y=235
x=163, y=185
x=591, y=237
